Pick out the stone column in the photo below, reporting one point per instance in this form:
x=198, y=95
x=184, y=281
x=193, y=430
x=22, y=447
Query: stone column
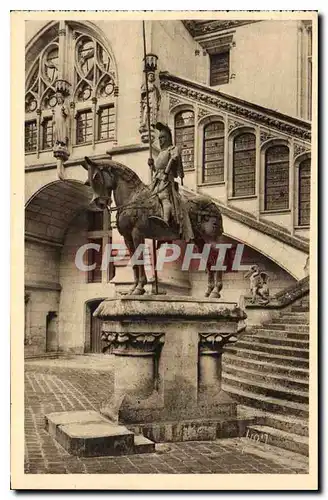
x=210, y=361
x=168, y=357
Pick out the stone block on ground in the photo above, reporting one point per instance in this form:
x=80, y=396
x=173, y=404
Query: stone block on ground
x=94, y=439
x=143, y=445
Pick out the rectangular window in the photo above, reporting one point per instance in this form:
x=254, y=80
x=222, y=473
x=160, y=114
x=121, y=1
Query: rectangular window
x=95, y=221
x=219, y=68
x=106, y=123
x=95, y=257
x=30, y=136
x=84, y=127
x=47, y=133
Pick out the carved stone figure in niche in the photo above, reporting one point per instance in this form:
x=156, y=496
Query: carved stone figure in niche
x=258, y=285
x=61, y=121
x=154, y=103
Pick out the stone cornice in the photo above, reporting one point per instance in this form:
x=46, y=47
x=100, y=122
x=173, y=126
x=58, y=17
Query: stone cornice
x=200, y=28
x=158, y=308
x=43, y=285
x=235, y=106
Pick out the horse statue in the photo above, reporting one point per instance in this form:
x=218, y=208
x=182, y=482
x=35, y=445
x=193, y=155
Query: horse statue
x=136, y=206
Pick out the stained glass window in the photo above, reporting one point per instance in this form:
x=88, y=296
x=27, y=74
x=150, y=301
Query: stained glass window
x=185, y=136
x=277, y=178
x=47, y=133
x=30, y=136
x=213, y=152
x=243, y=173
x=304, y=192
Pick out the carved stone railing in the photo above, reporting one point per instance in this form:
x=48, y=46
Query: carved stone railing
x=181, y=91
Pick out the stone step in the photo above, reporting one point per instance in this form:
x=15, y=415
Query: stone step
x=295, y=314
x=292, y=320
x=90, y=434
x=267, y=356
x=281, y=439
x=272, y=349
x=301, y=308
x=266, y=403
x=264, y=367
x=288, y=424
x=275, y=391
x=143, y=445
x=286, y=327
x=269, y=378
x=281, y=334
x=273, y=340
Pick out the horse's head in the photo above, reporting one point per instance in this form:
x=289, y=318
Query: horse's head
x=102, y=180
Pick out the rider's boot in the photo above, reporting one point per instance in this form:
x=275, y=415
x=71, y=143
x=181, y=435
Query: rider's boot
x=166, y=211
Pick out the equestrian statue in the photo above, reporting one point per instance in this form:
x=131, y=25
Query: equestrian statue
x=158, y=211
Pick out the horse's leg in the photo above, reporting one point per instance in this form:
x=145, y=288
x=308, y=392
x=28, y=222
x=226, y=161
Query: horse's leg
x=215, y=294
x=130, y=246
x=210, y=282
x=138, y=240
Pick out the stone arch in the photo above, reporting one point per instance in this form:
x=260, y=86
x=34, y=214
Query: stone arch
x=50, y=210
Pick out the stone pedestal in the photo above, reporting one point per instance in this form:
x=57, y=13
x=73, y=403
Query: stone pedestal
x=168, y=353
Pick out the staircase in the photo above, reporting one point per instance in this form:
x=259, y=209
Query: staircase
x=268, y=371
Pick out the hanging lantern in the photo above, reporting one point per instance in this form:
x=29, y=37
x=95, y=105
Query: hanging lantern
x=150, y=62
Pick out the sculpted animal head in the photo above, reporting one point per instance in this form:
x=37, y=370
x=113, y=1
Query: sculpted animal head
x=102, y=180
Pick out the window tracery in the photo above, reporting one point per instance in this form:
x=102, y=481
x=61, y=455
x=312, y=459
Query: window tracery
x=82, y=60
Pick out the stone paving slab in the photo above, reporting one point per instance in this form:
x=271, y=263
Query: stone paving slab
x=52, y=388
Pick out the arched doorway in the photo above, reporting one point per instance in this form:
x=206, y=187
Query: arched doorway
x=93, y=343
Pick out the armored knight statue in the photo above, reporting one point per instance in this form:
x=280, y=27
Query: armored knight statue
x=258, y=285
x=166, y=168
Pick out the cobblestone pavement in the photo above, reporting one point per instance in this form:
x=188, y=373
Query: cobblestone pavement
x=63, y=385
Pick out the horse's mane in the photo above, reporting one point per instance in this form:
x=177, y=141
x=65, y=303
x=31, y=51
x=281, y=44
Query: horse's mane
x=125, y=172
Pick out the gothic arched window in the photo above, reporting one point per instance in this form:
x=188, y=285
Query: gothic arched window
x=213, y=152
x=70, y=53
x=243, y=170
x=184, y=126
x=276, y=178
x=304, y=192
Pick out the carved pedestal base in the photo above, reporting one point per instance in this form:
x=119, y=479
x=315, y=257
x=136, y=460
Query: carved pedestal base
x=168, y=360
